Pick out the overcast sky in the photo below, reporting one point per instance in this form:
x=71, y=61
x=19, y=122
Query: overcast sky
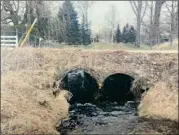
x=98, y=12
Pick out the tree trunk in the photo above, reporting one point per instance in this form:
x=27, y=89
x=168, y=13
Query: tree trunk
x=176, y=21
x=151, y=23
x=138, y=23
x=112, y=39
x=138, y=32
x=172, y=24
x=13, y=14
x=155, y=27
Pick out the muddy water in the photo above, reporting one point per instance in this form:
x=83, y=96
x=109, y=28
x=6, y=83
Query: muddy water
x=111, y=118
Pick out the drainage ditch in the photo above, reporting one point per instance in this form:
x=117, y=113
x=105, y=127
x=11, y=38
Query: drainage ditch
x=113, y=112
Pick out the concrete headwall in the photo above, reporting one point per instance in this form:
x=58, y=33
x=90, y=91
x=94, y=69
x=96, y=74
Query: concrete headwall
x=154, y=66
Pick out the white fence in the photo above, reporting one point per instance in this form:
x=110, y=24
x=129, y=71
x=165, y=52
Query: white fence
x=9, y=41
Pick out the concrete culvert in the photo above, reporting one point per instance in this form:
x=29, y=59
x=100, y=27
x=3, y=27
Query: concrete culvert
x=81, y=84
x=116, y=88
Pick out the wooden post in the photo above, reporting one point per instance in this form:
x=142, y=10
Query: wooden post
x=28, y=33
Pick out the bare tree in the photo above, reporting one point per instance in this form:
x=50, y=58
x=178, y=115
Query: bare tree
x=84, y=7
x=10, y=11
x=111, y=20
x=137, y=7
x=103, y=34
x=151, y=21
x=176, y=21
x=171, y=7
x=155, y=26
x=149, y=24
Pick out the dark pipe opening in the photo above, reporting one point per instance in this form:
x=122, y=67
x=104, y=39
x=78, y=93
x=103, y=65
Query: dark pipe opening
x=116, y=88
x=81, y=84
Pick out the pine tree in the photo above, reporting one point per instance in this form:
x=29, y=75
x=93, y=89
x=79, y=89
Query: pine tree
x=125, y=34
x=132, y=34
x=74, y=31
x=118, y=34
x=97, y=38
x=82, y=32
x=85, y=33
x=68, y=16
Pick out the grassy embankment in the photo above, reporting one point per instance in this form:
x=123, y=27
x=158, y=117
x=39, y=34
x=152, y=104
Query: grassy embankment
x=28, y=105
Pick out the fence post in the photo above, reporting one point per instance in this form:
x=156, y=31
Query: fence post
x=17, y=38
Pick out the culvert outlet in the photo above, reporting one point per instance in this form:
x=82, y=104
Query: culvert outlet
x=81, y=84
x=116, y=88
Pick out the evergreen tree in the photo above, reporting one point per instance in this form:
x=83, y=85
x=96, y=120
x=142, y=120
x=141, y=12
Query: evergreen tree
x=68, y=16
x=88, y=35
x=125, y=33
x=73, y=29
x=85, y=33
x=118, y=34
x=82, y=32
x=132, y=35
x=127, y=27
x=97, y=38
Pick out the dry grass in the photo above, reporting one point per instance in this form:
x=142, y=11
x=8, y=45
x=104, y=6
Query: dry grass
x=122, y=46
x=160, y=102
x=167, y=46
x=27, y=102
x=106, y=46
x=28, y=107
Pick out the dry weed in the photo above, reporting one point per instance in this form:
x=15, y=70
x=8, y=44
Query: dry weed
x=167, y=46
x=22, y=110
x=160, y=102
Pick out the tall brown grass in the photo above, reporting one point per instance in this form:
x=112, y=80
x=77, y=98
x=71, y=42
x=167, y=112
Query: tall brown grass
x=161, y=102
x=28, y=105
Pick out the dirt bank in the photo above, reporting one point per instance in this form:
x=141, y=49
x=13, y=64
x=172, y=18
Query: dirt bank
x=27, y=102
x=27, y=107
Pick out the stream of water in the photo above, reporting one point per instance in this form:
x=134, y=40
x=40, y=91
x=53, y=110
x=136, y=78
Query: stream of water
x=109, y=118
